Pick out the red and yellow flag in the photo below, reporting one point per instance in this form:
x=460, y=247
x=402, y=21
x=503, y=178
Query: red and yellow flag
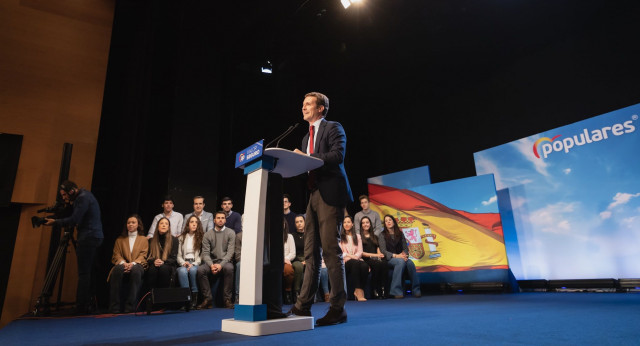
x=440, y=238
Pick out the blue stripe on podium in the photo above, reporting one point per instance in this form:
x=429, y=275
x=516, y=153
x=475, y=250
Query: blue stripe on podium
x=250, y=312
x=267, y=162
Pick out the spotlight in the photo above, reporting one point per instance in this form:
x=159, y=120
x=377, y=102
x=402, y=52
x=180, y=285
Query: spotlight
x=347, y=3
x=267, y=68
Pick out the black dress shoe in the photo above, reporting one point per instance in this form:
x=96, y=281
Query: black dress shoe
x=273, y=315
x=298, y=312
x=333, y=316
x=206, y=304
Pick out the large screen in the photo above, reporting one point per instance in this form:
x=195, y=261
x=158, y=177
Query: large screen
x=570, y=198
x=453, y=228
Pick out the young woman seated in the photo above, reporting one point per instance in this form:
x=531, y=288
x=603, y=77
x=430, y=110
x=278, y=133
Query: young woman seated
x=190, y=244
x=129, y=261
x=288, y=272
x=394, y=247
x=374, y=258
x=356, y=269
x=163, y=256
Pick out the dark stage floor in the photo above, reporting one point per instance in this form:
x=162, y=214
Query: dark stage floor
x=462, y=319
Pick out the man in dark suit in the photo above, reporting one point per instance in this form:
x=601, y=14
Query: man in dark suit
x=329, y=194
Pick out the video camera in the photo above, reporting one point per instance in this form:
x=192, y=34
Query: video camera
x=59, y=210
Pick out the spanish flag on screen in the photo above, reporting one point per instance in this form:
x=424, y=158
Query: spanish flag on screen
x=441, y=239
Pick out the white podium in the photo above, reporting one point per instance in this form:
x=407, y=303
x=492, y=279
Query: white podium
x=250, y=315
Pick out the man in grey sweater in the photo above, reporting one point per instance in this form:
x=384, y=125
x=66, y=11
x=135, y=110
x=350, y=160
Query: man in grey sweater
x=218, y=249
x=376, y=223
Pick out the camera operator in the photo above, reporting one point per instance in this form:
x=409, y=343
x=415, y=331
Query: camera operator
x=86, y=216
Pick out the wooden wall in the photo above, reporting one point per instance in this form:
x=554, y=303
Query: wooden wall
x=53, y=61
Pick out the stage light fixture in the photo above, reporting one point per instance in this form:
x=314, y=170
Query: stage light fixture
x=347, y=3
x=267, y=68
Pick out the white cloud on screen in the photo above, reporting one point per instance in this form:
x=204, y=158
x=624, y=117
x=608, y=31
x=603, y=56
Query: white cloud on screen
x=525, y=147
x=485, y=166
x=490, y=201
x=622, y=198
x=554, y=218
x=605, y=215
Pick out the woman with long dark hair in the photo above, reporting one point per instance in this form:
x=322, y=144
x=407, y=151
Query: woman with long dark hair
x=129, y=260
x=373, y=257
x=163, y=255
x=190, y=245
x=356, y=269
x=394, y=247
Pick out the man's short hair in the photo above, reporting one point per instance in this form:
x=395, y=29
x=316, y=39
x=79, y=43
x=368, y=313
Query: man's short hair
x=196, y=197
x=168, y=198
x=224, y=199
x=363, y=197
x=286, y=196
x=321, y=100
x=220, y=212
x=68, y=185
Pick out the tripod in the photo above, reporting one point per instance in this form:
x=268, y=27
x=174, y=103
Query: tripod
x=43, y=306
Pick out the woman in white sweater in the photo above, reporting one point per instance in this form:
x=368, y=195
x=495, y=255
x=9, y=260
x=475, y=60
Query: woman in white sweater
x=189, y=259
x=289, y=255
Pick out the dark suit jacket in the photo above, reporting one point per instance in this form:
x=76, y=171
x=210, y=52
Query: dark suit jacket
x=331, y=178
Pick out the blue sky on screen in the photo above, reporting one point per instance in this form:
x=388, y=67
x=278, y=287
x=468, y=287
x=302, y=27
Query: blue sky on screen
x=473, y=194
x=404, y=179
x=580, y=203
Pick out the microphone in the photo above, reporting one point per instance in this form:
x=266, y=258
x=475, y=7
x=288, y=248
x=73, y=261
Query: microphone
x=283, y=135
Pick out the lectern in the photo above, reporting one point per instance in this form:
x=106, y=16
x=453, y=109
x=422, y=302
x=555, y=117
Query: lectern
x=264, y=170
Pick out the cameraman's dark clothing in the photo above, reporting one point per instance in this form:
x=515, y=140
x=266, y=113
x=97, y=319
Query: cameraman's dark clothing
x=86, y=215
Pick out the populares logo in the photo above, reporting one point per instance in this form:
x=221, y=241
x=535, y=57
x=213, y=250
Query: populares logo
x=548, y=145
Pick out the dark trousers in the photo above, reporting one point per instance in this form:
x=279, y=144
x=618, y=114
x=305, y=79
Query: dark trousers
x=160, y=277
x=379, y=270
x=135, y=281
x=321, y=231
x=86, y=253
x=206, y=277
x=357, y=271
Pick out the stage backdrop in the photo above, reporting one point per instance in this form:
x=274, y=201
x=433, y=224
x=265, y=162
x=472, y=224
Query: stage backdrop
x=574, y=194
x=453, y=228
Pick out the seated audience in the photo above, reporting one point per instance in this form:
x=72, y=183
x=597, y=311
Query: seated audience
x=289, y=215
x=130, y=260
x=289, y=256
x=373, y=216
x=205, y=218
x=298, y=261
x=374, y=258
x=218, y=248
x=237, y=257
x=394, y=247
x=163, y=256
x=189, y=256
x=355, y=268
x=176, y=219
x=234, y=220
x=323, y=283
